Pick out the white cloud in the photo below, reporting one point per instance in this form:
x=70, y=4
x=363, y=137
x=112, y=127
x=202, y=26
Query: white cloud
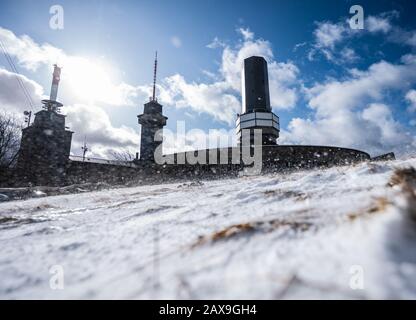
x=392, y=134
x=221, y=98
x=89, y=120
x=383, y=23
x=87, y=80
x=90, y=81
x=87, y=84
x=411, y=98
x=233, y=58
x=348, y=54
x=30, y=54
x=402, y=37
x=94, y=123
x=350, y=113
x=216, y=43
x=282, y=78
x=12, y=97
x=246, y=33
x=370, y=84
x=411, y=40
x=299, y=45
x=329, y=37
x=378, y=24
x=215, y=99
x=328, y=34
x=282, y=75
x=176, y=41
x=360, y=130
x=210, y=75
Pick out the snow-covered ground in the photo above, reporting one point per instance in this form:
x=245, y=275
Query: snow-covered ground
x=336, y=233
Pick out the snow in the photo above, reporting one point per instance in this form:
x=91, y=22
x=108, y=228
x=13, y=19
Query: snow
x=303, y=235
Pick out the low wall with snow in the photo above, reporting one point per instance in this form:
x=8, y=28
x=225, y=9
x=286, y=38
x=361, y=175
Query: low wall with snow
x=182, y=165
x=82, y=172
x=213, y=164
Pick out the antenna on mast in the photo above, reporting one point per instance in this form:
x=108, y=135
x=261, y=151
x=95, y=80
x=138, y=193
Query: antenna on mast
x=55, y=82
x=85, y=149
x=154, y=79
x=52, y=104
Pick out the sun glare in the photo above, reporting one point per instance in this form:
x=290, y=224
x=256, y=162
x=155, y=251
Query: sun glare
x=90, y=80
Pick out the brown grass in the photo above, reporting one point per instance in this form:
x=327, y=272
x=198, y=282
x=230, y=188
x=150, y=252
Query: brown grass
x=405, y=179
x=251, y=227
x=378, y=206
x=299, y=196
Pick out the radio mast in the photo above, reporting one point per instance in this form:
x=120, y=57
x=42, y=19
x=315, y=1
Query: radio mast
x=154, y=80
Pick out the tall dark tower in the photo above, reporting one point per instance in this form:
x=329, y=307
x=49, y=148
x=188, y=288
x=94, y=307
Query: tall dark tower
x=152, y=121
x=256, y=110
x=46, y=144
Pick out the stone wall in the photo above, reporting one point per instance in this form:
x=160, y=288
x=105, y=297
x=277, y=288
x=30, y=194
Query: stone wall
x=275, y=158
x=183, y=166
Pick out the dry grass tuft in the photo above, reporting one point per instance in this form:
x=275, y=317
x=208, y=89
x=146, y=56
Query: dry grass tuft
x=405, y=179
x=7, y=220
x=379, y=206
x=251, y=227
x=281, y=195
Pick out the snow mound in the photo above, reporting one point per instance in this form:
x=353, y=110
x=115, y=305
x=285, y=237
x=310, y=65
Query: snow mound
x=343, y=232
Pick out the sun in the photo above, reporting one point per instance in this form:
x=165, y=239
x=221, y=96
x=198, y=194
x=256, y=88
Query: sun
x=90, y=80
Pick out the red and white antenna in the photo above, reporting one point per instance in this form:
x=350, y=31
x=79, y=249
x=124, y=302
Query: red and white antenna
x=55, y=82
x=154, y=80
x=52, y=104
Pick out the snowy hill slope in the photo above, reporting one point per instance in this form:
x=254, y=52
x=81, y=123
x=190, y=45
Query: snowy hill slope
x=308, y=234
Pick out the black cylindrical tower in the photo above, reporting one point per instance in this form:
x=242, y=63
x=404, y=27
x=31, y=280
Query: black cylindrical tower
x=256, y=96
x=256, y=110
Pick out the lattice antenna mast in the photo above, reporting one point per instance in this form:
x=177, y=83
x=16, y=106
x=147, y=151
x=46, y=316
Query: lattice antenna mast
x=154, y=80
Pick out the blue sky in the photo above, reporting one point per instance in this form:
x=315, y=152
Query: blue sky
x=319, y=66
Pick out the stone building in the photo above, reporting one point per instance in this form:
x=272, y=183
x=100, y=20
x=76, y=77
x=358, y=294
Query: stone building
x=46, y=143
x=152, y=122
